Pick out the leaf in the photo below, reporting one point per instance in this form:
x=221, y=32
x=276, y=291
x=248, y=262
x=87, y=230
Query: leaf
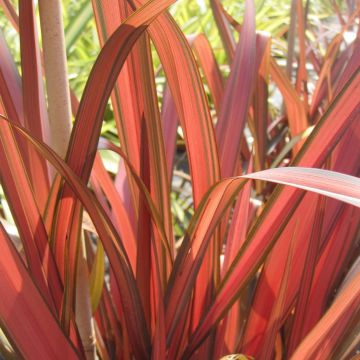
x=10, y=86
x=301, y=78
x=274, y=323
x=152, y=145
x=10, y=12
x=127, y=100
x=77, y=25
x=112, y=244
x=170, y=123
x=97, y=277
x=330, y=330
x=228, y=332
x=183, y=78
x=224, y=29
x=339, y=186
x=312, y=252
x=234, y=109
x=176, y=56
x=209, y=67
x=291, y=40
x=11, y=93
x=336, y=188
x=193, y=248
x=35, y=112
x=295, y=109
x=329, y=269
x=119, y=215
x=86, y=131
x=260, y=101
x=105, y=144
x=39, y=335
x=24, y=209
x=327, y=133
x=268, y=283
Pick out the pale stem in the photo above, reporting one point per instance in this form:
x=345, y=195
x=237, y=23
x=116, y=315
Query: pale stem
x=59, y=108
x=57, y=85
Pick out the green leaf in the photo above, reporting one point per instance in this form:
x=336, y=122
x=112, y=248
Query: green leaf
x=77, y=25
x=97, y=277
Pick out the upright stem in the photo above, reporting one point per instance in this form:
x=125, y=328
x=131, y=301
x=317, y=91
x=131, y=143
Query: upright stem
x=59, y=108
x=57, y=85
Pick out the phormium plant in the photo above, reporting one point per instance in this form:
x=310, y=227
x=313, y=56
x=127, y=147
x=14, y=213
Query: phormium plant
x=98, y=264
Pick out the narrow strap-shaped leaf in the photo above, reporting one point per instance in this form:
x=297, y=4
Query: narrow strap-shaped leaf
x=97, y=277
x=39, y=334
x=234, y=109
x=71, y=249
x=228, y=333
x=189, y=97
x=11, y=93
x=143, y=256
x=127, y=99
x=329, y=267
x=158, y=309
x=296, y=112
x=268, y=283
x=342, y=187
x=28, y=219
x=10, y=12
x=101, y=81
x=261, y=94
x=170, y=123
x=10, y=85
x=119, y=213
x=322, y=85
x=209, y=67
x=214, y=205
x=307, y=276
x=224, y=29
x=86, y=131
x=274, y=323
x=352, y=64
x=105, y=144
x=113, y=246
x=77, y=25
x=239, y=224
x=330, y=128
x=328, y=62
x=35, y=113
x=329, y=331
x=291, y=40
x=194, y=246
x=158, y=182
x=192, y=107
x=301, y=78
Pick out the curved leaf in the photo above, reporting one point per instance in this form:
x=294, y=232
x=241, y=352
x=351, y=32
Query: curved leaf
x=326, y=134
x=119, y=262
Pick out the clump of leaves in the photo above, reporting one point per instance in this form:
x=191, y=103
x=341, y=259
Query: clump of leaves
x=260, y=269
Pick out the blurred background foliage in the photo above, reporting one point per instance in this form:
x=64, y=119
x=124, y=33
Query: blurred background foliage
x=193, y=16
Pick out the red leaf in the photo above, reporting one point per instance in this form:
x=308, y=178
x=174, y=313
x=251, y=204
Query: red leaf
x=234, y=109
x=209, y=67
x=330, y=330
x=29, y=323
x=113, y=246
x=35, y=113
